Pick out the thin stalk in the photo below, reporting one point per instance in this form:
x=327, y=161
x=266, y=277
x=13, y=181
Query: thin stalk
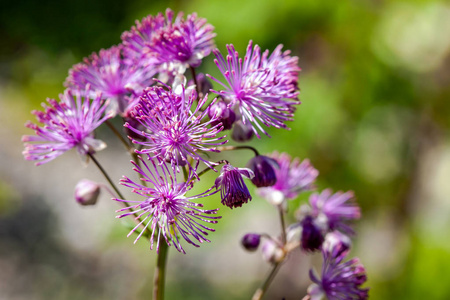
x=194, y=76
x=117, y=133
x=262, y=290
x=160, y=271
x=283, y=229
x=230, y=148
x=106, y=176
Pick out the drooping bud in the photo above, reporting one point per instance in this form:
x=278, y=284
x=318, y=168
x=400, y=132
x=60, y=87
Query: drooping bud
x=272, y=252
x=263, y=167
x=87, y=192
x=251, y=241
x=233, y=190
x=224, y=114
x=312, y=237
x=242, y=132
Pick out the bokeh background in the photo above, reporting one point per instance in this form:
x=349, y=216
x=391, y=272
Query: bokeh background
x=374, y=119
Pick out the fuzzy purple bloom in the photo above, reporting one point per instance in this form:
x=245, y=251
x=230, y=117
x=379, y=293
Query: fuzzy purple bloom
x=336, y=208
x=173, y=132
x=263, y=89
x=173, y=43
x=233, y=190
x=166, y=211
x=68, y=124
x=293, y=177
x=108, y=73
x=339, y=280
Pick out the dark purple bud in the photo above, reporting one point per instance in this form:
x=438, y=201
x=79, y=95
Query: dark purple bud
x=223, y=113
x=311, y=238
x=242, y=132
x=336, y=244
x=263, y=167
x=204, y=84
x=251, y=241
x=87, y=192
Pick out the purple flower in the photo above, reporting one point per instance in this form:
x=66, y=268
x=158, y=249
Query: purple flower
x=338, y=280
x=293, y=177
x=173, y=43
x=263, y=89
x=173, y=132
x=233, y=190
x=67, y=124
x=108, y=73
x=166, y=210
x=335, y=209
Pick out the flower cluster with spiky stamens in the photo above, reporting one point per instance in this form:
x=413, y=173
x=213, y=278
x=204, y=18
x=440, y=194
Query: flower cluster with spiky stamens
x=262, y=89
x=173, y=132
x=67, y=124
x=107, y=72
x=339, y=280
x=170, y=43
x=166, y=211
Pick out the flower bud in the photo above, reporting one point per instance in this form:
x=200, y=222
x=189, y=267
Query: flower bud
x=272, y=252
x=204, y=84
x=87, y=192
x=223, y=113
x=263, y=167
x=242, y=132
x=251, y=241
x=311, y=238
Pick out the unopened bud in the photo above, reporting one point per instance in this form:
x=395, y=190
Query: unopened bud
x=272, y=252
x=251, y=241
x=263, y=167
x=223, y=114
x=242, y=132
x=87, y=192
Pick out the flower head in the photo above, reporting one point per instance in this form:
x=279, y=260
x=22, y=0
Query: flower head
x=263, y=89
x=172, y=43
x=173, y=131
x=339, y=280
x=166, y=210
x=107, y=72
x=292, y=176
x=233, y=190
x=336, y=209
x=67, y=124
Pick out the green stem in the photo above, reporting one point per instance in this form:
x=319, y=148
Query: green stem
x=160, y=271
x=117, y=133
x=229, y=148
x=262, y=290
x=283, y=229
x=194, y=76
x=106, y=176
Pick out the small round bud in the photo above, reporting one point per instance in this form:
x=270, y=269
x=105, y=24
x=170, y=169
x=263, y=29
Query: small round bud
x=223, y=113
x=263, y=167
x=87, y=192
x=204, y=84
x=272, y=252
x=251, y=241
x=337, y=244
x=242, y=132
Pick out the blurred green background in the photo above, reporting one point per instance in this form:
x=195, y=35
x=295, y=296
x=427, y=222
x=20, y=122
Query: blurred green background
x=374, y=119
